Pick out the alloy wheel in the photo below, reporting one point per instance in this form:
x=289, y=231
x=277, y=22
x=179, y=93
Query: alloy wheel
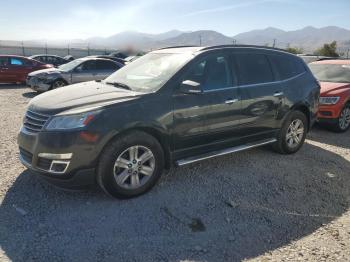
x=58, y=83
x=295, y=133
x=344, y=119
x=134, y=167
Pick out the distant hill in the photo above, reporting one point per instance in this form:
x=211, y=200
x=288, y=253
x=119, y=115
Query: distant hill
x=308, y=38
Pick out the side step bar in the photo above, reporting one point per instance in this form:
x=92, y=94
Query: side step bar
x=224, y=152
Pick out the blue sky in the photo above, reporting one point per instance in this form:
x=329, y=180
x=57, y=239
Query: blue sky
x=68, y=19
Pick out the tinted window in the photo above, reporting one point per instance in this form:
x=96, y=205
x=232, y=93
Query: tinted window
x=87, y=66
x=16, y=61
x=212, y=73
x=253, y=69
x=4, y=61
x=286, y=66
x=106, y=65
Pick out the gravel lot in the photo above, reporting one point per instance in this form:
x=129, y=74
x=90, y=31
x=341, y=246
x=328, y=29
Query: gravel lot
x=253, y=205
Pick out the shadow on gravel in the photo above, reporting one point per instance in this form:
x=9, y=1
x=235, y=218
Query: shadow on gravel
x=30, y=94
x=323, y=134
x=229, y=208
x=12, y=86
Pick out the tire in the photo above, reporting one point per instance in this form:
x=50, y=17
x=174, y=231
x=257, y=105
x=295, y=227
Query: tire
x=58, y=83
x=289, y=141
x=343, y=122
x=121, y=177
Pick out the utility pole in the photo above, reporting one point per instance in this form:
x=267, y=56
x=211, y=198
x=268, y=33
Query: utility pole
x=234, y=41
x=68, y=51
x=46, y=48
x=200, y=40
x=88, y=48
x=274, y=43
x=23, y=49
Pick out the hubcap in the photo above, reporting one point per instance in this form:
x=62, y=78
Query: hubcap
x=344, y=119
x=134, y=167
x=295, y=133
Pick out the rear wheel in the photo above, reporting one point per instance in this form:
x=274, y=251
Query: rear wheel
x=131, y=165
x=343, y=122
x=292, y=134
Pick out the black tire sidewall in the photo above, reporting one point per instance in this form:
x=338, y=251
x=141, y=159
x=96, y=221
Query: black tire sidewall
x=108, y=158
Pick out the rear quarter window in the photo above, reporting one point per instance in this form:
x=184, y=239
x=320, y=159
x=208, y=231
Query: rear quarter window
x=286, y=66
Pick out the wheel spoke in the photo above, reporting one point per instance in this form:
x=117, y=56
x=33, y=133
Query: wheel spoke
x=133, y=151
x=145, y=157
x=135, y=180
x=300, y=131
x=146, y=170
x=122, y=163
x=120, y=179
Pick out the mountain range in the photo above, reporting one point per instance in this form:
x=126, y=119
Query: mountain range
x=308, y=38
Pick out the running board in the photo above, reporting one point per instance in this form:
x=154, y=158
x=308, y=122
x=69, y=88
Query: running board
x=223, y=152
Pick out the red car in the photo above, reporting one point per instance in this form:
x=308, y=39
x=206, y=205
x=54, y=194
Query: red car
x=334, y=76
x=14, y=69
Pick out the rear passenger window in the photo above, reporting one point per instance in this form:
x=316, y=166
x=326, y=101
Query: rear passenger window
x=212, y=73
x=105, y=65
x=16, y=61
x=253, y=69
x=286, y=66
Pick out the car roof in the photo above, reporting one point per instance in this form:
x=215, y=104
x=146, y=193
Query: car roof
x=333, y=62
x=199, y=49
x=45, y=55
x=15, y=56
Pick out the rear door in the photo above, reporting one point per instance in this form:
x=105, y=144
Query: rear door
x=86, y=71
x=261, y=94
x=105, y=68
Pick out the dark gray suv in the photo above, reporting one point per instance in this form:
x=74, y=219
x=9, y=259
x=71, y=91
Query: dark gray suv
x=171, y=106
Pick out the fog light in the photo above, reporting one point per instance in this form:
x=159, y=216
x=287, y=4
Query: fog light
x=59, y=167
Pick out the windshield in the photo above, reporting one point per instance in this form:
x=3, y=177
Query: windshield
x=69, y=66
x=331, y=73
x=150, y=72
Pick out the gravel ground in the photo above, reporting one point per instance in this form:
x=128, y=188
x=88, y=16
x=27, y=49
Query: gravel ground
x=255, y=205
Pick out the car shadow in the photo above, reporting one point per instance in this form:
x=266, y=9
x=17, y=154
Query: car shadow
x=30, y=94
x=230, y=208
x=12, y=86
x=324, y=135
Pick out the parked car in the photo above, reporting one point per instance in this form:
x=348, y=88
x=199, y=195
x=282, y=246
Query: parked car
x=50, y=59
x=334, y=76
x=116, y=59
x=79, y=70
x=69, y=58
x=14, y=69
x=171, y=106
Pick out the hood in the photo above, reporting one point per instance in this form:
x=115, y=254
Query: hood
x=330, y=88
x=80, y=97
x=45, y=72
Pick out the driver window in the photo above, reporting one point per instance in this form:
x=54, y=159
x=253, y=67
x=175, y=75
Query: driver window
x=86, y=66
x=211, y=73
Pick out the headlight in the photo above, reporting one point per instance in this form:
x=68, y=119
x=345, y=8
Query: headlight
x=71, y=121
x=329, y=100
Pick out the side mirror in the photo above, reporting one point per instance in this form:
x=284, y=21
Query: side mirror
x=190, y=87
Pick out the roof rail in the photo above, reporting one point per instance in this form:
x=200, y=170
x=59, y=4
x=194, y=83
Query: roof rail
x=176, y=46
x=253, y=46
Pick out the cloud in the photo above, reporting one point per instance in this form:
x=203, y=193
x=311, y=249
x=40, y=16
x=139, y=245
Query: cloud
x=230, y=7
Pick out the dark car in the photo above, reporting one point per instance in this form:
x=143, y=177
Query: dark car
x=50, y=59
x=171, y=106
x=14, y=69
x=79, y=70
x=69, y=58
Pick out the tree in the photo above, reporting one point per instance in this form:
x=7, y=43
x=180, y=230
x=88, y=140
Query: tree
x=294, y=50
x=328, y=50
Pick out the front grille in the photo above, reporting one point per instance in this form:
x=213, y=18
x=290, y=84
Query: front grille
x=44, y=163
x=34, y=122
x=26, y=156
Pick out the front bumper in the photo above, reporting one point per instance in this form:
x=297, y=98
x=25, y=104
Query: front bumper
x=329, y=111
x=61, y=158
x=37, y=84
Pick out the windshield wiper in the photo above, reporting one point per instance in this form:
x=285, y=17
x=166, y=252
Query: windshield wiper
x=121, y=85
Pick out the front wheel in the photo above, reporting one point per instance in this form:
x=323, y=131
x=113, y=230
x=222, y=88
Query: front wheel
x=343, y=122
x=131, y=165
x=292, y=134
x=58, y=83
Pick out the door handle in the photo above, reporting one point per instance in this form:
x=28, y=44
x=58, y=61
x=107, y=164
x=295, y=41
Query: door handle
x=278, y=94
x=231, y=101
